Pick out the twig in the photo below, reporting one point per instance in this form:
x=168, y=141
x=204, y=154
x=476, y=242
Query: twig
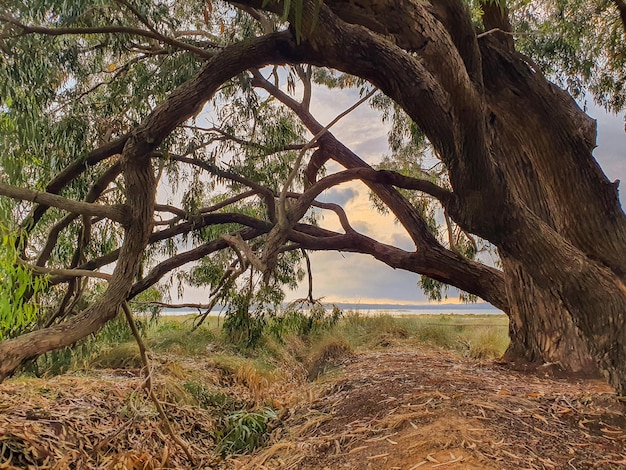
x=278, y=234
x=509, y=33
x=64, y=272
x=148, y=385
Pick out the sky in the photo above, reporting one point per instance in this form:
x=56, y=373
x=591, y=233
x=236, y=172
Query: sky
x=355, y=278
x=360, y=279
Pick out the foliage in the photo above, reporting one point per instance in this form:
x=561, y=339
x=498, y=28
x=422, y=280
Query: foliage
x=244, y=431
x=579, y=43
x=18, y=287
x=303, y=321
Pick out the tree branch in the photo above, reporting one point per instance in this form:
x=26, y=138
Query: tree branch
x=116, y=213
x=94, y=193
x=68, y=273
x=72, y=171
x=181, y=259
x=108, y=30
x=149, y=388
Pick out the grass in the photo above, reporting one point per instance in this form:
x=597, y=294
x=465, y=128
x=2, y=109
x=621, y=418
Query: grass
x=242, y=387
x=283, y=345
x=476, y=336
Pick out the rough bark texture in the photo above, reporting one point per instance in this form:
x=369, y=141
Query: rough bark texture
x=519, y=156
x=541, y=331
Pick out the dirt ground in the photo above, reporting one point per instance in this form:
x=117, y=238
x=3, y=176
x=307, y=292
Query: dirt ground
x=396, y=408
x=433, y=409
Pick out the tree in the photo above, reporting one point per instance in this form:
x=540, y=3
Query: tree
x=106, y=114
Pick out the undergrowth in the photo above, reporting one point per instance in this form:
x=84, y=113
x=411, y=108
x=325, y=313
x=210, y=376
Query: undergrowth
x=235, y=378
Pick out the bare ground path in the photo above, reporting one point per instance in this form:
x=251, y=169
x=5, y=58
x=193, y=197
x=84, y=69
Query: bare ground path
x=400, y=409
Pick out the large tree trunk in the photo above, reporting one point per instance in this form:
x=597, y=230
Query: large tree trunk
x=541, y=330
x=518, y=151
x=545, y=156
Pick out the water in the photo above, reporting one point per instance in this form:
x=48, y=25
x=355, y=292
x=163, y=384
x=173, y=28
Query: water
x=383, y=309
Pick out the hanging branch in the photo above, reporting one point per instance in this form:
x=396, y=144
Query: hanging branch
x=229, y=277
x=149, y=386
x=310, y=275
x=278, y=234
x=26, y=29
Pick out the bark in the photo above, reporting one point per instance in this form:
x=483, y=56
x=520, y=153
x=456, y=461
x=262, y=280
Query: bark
x=541, y=330
x=116, y=213
x=529, y=185
x=546, y=161
x=141, y=184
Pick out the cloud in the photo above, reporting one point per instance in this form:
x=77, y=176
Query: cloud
x=340, y=195
x=350, y=277
x=402, y=241
x=363, y=227
x=362, y=130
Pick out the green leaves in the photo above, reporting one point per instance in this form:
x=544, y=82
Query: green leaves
x=579, y=44
x=295, y=9
x=245, y=431
x=18, y=286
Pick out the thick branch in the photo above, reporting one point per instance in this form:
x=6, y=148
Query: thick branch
x=333, y=148
x=67, y=273
x=442, y=265
x=116, y=213
x=72, y=171
x=181, y=259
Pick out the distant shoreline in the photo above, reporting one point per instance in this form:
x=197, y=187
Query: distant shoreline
x=373, y=309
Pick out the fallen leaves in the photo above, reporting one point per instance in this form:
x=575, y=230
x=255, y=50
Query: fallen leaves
x=429, y=409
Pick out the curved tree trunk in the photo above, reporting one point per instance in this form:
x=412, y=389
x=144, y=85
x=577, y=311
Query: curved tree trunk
x=545, y=156
x=518, y=151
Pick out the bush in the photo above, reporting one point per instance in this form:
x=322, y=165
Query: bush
x=303, y=322
x=244, y=431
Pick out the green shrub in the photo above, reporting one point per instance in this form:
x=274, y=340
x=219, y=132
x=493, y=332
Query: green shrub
x=244, y=431
x=302, y=322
